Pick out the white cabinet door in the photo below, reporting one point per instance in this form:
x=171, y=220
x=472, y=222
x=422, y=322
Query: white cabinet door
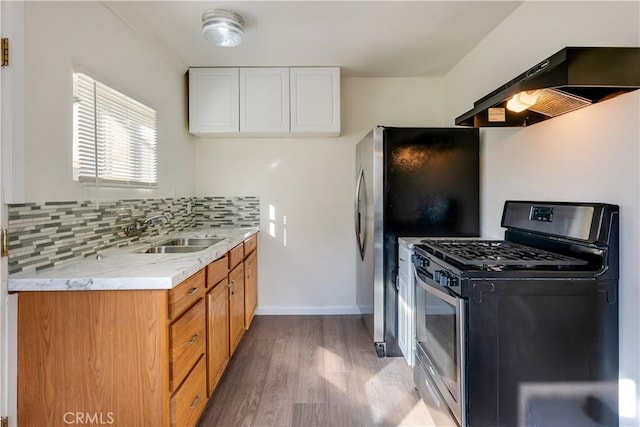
x=315, y=100
x=405, y=303
x=264, y=100
x=213, y=100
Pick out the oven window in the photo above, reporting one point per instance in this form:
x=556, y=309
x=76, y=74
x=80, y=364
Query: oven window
x=437, y=336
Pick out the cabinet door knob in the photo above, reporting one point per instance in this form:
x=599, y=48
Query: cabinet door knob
x=194, y=338
x=192, y=291
x=195, y=402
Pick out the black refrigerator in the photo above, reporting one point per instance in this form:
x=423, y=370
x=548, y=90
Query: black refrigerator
x=411, y=182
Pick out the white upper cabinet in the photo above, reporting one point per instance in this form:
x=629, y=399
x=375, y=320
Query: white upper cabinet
x=264, y=100
x=315, y=100
x=214, y=100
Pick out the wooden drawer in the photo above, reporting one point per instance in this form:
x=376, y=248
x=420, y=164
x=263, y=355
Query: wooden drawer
x=187, y=342
x=250, y=244
x=186, y=294
x=190, y=399
x=236, y=255
x=217, y=271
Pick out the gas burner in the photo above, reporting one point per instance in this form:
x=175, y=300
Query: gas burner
x=497, y=252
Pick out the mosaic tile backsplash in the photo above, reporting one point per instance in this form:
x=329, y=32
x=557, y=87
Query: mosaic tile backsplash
x=228, y=211
x=42, y=235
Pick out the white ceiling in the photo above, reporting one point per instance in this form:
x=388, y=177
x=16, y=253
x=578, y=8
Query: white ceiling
x=365, y=38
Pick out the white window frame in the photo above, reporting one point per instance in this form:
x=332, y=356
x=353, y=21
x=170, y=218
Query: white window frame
x=114, y=137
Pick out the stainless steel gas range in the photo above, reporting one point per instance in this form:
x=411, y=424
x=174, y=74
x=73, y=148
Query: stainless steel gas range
x=522, y=331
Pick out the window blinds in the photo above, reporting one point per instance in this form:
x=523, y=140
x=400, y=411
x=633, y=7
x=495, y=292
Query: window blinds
x=114, y=136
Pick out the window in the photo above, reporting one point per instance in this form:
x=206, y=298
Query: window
x=114, y=136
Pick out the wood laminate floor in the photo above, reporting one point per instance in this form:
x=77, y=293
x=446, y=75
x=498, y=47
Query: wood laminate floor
x=313, y=371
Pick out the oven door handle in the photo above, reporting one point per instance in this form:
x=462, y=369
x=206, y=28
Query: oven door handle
x=433, y=290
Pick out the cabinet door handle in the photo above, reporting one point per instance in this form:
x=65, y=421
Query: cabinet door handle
x=194, y=338
x=192, y=291
x=195, y=402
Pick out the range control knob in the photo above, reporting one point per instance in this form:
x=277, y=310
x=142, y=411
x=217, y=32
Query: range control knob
x=445, y=278
x=420, y=262
x=451, y=281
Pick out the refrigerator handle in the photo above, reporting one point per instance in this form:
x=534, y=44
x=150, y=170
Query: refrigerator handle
x=358, y=217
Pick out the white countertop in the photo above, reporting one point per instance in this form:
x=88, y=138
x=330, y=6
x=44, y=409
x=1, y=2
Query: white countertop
x=126, y=268
x=410, y=241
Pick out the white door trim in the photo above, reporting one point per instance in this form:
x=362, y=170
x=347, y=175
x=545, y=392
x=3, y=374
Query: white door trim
x=11, y=149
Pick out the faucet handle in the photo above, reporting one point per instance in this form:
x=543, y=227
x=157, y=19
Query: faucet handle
x=134, y=228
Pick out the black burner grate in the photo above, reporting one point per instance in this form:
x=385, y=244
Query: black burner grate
x=498, y=252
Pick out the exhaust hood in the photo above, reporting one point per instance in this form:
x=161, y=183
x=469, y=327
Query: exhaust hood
x=573, y=78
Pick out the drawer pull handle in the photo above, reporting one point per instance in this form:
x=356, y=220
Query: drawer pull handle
x=194, y=338
x=192, y=291
x=195, y=402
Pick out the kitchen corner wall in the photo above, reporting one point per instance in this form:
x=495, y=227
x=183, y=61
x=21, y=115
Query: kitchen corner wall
x=306, y=188
x=85, y=36
x=591, y=154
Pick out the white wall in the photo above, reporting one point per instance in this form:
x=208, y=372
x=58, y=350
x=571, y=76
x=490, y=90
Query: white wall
x=589, y=155
x=312, y=183
x=63, y=37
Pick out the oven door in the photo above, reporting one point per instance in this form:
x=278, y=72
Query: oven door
x=440, y=338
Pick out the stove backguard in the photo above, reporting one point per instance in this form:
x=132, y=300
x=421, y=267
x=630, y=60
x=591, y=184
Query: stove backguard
x=583, y=222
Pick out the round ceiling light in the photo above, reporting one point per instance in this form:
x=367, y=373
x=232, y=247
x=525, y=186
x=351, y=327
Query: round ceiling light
x=222, y=27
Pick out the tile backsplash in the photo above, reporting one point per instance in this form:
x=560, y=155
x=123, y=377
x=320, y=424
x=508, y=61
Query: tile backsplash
x=228, y=211
x=42, y=235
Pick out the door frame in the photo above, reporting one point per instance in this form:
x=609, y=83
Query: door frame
x=11, y=139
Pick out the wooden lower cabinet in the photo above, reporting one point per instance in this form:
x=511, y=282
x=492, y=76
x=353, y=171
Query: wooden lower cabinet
x=132, y=358
x=236, y=306
x=104, y=354
x=217, y=333
x=250, y=287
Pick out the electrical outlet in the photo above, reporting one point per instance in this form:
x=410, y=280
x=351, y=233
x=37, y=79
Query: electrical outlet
x=189, y=207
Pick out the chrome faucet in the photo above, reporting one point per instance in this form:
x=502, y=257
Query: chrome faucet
x=151, y=221
x=141, y=226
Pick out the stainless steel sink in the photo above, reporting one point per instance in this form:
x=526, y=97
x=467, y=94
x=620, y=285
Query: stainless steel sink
x=173, y=249
x=193, y=241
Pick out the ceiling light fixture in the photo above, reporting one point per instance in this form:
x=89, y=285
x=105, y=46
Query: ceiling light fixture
x=222, y=27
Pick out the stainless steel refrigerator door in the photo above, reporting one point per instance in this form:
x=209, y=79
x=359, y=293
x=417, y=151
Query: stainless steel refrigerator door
x=377, y=197
x=366, y=261
x=370, y=262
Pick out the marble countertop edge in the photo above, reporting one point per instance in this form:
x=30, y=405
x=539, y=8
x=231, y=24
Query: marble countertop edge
x=126, y=268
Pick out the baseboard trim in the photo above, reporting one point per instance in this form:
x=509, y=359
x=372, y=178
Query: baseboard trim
x=309, y=310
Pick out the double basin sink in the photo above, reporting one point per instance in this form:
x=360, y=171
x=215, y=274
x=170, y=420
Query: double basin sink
x=183, y=245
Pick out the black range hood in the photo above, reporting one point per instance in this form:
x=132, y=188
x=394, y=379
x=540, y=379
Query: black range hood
x=572, y=78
